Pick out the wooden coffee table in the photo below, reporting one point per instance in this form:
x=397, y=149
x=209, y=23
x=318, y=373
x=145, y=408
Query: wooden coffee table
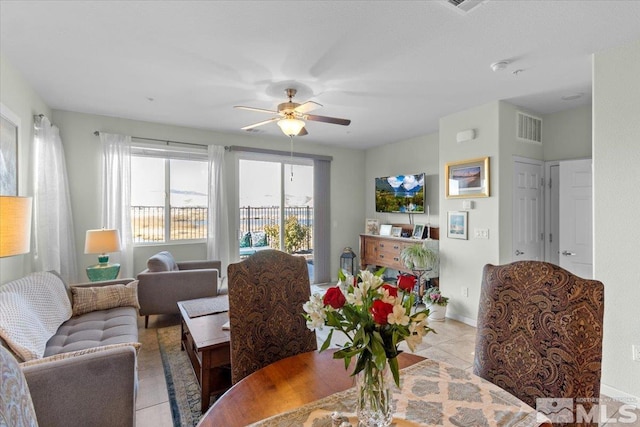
x=207, y=345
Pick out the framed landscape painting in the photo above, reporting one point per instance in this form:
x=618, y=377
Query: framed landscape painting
x=467, y=178
x=457, y=225
x=9, y=128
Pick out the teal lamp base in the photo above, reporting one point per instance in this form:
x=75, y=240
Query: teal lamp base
x=104, y=271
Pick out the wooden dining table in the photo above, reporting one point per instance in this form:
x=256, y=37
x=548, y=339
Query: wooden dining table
x=287, y=385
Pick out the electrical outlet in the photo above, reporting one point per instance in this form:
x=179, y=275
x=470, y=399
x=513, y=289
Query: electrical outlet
x=481, y=233
x=636, y=352
x=465, y=291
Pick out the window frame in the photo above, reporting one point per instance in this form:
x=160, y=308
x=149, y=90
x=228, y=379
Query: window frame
x=167, y=152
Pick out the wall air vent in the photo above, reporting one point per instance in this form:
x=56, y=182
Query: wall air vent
x=529, y=128
x=464, y=6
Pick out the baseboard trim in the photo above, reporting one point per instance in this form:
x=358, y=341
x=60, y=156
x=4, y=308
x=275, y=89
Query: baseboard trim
x=620, y=396
x=466, y=320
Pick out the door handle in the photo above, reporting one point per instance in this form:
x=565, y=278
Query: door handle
x=518, y=252
x=567, y=253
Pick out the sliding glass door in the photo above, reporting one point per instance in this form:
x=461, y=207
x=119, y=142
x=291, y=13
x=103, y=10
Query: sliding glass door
x=276, y=206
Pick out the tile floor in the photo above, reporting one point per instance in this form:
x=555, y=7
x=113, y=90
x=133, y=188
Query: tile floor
x=453, y=343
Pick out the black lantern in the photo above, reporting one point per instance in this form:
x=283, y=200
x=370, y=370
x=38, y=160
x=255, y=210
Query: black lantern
x=348, y=261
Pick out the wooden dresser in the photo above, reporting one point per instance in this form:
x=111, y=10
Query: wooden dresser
x=384, y=251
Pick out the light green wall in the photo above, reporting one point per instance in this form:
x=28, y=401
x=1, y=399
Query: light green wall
x=83, y=151
x=24, y=102
x=414, y=155
x=510, y=147
x=567, y=134
x=616, y=156
x=462, y=260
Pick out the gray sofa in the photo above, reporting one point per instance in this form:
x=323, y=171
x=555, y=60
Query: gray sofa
x=165, y=282
x=85, y=374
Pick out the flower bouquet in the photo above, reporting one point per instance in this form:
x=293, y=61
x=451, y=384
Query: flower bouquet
x=433, y=296
x=376, y=317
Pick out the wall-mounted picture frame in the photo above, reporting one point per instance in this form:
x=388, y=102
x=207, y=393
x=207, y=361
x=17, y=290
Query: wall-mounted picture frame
x=467, y=178
x=385, y=229
x=418, y=231
x=9, y=133
x=457, y=225
x=396, y=231
x=372, y=226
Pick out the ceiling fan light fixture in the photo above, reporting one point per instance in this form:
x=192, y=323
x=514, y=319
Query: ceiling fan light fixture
x=291, y=127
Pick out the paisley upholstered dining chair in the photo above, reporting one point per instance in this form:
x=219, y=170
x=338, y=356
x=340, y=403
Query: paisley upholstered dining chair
x=540, y=332
x=266, y=294
x=16, y=406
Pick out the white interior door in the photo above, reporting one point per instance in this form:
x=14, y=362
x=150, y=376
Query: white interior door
x=528, y=214
x=576, y=217
x=552, y=213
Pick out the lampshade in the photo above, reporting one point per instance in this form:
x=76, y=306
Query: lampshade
x=15, y=225
x=291, y=127
x=102, y=241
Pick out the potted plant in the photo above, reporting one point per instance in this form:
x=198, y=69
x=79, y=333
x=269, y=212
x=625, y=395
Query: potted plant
x=419, y=256
x=436, y=303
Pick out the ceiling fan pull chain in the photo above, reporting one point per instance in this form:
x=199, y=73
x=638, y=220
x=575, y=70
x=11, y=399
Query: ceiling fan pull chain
x=291, y=139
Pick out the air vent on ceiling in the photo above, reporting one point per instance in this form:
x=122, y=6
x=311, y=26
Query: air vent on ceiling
x=529, y=128
x=464, y=6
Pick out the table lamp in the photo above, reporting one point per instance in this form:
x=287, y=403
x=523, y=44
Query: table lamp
x=15, y=225
x=102, y=242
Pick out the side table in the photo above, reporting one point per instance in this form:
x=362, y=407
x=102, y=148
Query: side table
x=207, y=345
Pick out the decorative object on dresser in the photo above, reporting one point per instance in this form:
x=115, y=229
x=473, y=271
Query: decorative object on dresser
x=385, y=230
x=102, y=242
x=372, y=226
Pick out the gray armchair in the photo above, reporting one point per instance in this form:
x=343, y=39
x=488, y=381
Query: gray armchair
x=165, y=282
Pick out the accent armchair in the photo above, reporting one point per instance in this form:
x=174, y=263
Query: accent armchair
x=165, y=282
x=540, y=332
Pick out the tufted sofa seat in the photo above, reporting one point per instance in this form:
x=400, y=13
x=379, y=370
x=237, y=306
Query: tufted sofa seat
x=95, y=329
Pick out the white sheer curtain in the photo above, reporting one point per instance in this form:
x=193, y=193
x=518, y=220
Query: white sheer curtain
x=218, y=219
x=116, y=195
x=54, y=241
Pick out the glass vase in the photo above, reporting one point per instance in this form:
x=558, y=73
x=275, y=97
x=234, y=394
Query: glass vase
x=374, y=396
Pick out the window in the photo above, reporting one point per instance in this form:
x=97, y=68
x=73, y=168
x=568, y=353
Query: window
x=168, y=179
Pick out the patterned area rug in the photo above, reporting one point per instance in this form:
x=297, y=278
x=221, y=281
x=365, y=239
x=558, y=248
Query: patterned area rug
x=182, y=384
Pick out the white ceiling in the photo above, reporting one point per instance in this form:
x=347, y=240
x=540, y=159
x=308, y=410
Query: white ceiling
x=392, y=67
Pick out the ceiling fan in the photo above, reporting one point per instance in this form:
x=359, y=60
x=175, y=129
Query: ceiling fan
x=291, y=116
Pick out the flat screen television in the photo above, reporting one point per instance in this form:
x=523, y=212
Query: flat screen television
x=400, y=193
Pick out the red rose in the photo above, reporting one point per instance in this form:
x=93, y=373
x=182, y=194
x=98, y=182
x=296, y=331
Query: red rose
x=334, y=297
x=406, y=282
x=393, y=291
x=380, y=311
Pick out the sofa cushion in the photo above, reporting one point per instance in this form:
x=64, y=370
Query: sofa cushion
x=69, y=355
x=31, y=310
x=87, y=299
x=95, y=329
x=162, y=261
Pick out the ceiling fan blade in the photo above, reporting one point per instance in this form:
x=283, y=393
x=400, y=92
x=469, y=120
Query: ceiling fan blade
x=303, y=132
x=306, y=107
x=260, y=110
x=325, y=119
x=255, y=125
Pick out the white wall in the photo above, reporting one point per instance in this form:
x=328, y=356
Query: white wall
x=567, y=134
x=616, y=156
x=83, y=151
x=21, y=99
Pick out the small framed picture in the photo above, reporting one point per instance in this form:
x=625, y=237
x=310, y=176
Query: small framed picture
x=457, y=225
x=385, y=230
x=418, y=231
x=372, y=226
x=396, y=231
